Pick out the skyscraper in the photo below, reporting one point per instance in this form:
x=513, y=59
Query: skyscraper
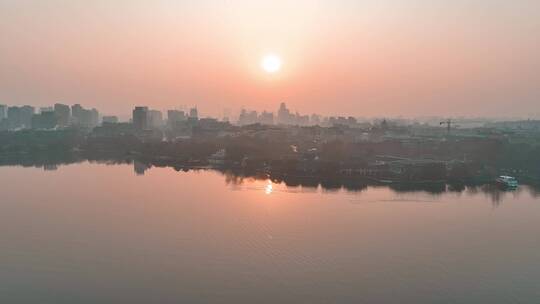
x=284, y=116
x=84, y=117
x=193, y=113
x=44, y=120
x=93, y=118
x=155, y=119
x=174, y=117
x=63, y=114
x=14, y=117
x=140, y=118
x=76, y=113
x=248, y=117
x=266, y=118
x=3, y=112
x=26, y=114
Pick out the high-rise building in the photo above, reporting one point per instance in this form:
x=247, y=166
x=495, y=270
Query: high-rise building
x=26, y=114
x=3, y=118
x=63, y=113
x=301, y=120
x=140, y=118
x=3, y=112
x=94, y=118
x=247, y=117
x=155, y=119
x=46, y=109
x=44, y=120
x=19, y=117
x=284, y=116
x=193, y=113
x=83, y=117
x=76, y=113
x=86, y=118
x=266, y=118
x=14, y=117
x=174, y=117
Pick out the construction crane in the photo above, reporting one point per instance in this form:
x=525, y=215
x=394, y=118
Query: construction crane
x=448, y=124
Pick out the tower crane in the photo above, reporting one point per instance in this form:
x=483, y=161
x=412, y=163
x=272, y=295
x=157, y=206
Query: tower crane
x=448, y=124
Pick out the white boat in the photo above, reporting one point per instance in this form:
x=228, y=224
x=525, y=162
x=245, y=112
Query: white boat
x=507, y=181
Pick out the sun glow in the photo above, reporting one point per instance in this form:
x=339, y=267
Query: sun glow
x=271, y=63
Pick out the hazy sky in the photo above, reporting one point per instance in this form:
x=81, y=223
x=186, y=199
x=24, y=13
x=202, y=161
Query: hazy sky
x=361, y=58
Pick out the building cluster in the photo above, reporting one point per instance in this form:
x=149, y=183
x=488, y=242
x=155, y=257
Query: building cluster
x=144, y=118
x=253, y=117
x=286, y=117
x=57, y=116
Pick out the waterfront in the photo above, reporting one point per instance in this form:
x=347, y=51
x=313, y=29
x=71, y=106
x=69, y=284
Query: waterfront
x=93, y=233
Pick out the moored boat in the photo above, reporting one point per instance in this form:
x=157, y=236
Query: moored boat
x=507, y=181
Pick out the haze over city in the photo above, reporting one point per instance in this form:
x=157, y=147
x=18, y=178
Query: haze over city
x=354, y=58
x=269, y=151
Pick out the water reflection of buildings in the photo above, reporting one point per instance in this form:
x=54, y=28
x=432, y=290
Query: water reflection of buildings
x=140, y=167
x=305, y=184
x=50, y=167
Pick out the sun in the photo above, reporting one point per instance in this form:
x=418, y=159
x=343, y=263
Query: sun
x=271, y=63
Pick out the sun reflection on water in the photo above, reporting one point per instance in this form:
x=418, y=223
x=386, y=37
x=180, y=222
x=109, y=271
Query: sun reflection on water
x=268, y=189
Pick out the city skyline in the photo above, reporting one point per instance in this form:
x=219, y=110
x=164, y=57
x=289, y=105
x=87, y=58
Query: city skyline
x=13, y=117
x=389, y=58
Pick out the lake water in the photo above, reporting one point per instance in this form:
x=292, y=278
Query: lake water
x=93, y=233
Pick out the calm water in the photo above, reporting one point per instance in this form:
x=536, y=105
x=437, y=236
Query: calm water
x=91, y=233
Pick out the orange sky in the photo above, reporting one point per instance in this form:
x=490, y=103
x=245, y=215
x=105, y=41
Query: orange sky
x=361, y=58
